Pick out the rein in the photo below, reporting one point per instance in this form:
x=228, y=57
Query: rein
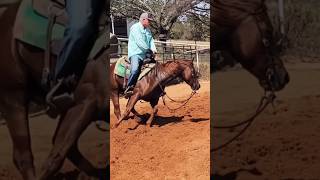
x=269, y=96
x=264, y=102
x=184, y=102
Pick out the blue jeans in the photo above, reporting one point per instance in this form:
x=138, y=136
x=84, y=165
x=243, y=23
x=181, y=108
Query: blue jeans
x=79, y=36
x=136, y=63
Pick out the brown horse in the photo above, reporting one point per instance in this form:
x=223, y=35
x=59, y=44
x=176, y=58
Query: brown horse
x=242, y=31
x=20, y=76
x=151, y=87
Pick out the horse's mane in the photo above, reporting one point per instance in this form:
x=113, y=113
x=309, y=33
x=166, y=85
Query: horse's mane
x=161, y=69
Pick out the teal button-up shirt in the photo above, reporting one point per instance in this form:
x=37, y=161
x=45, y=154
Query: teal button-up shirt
x=140, y=40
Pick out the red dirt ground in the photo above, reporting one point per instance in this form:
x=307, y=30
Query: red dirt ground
x=277, y=146
x=175, y=148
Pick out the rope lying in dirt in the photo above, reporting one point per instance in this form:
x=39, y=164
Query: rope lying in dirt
x=264, y=102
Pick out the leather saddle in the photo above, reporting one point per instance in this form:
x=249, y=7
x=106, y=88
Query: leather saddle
x=46, y=7
x=57, y=7
x=55, y=12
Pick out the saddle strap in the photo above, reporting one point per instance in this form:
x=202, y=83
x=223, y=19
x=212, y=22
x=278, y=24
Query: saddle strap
x=47, y=58
x=47, y=68
x=124, y=78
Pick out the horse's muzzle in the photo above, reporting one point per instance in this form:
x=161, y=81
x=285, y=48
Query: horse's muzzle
x=196, y=87
x=276, y=81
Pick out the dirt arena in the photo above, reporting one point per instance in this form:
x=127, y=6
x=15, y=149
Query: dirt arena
x=92, y=145
x=175, y=148
x=281, y=145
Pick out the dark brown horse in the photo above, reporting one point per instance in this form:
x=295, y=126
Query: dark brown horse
x=151, y=87
x=20, y=76
x=242, y=31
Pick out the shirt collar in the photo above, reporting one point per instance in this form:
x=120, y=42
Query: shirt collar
x=141, y=26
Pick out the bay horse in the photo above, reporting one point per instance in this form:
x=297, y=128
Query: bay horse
x=242, y=32
x=20, y=78
x=151, y=87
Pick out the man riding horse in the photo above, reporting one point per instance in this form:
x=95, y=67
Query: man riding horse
x=141, y=46
x=79, y=38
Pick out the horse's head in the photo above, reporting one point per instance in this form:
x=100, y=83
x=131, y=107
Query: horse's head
x=257, y=52
x=189, y=74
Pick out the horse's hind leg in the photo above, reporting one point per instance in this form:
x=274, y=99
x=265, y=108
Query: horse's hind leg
x=15, y=113
x=76, y=121
x=132, y=101
x=75, y=156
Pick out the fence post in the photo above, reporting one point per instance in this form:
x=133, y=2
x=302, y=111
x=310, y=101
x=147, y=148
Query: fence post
x=163, y=52
x=172, y=51
x=184, y=55
x=112, y=24
x=197, y=56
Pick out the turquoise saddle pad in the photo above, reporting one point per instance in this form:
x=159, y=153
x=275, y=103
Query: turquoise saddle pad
x=122, y=68
x=31, y=28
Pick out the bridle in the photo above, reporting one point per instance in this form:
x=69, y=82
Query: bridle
x=269, y=95
x=267, y=43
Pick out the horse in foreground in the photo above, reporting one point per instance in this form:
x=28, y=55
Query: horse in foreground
x=151, y=87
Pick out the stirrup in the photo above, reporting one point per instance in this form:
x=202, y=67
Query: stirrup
x=61, y=101
x=51, y=92
x=128, y=92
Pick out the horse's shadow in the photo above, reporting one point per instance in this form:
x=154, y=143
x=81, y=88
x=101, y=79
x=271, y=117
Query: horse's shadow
x=198, y=119
x=158, y=120
x=162, y=121
x=234, y=174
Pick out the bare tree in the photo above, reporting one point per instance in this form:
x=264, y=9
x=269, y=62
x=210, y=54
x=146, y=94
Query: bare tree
x=165, y=12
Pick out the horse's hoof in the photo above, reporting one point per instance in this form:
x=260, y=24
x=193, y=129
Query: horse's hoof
x=140, y=121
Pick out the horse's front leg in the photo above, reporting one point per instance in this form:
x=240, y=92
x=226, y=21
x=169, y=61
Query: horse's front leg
x=15, y=114
x=132, y=101
x=154, y=105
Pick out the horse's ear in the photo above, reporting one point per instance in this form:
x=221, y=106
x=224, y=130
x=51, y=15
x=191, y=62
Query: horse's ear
x=192, y=59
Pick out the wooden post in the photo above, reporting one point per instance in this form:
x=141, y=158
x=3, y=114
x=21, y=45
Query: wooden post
x=197, y=56
x=112, y=24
